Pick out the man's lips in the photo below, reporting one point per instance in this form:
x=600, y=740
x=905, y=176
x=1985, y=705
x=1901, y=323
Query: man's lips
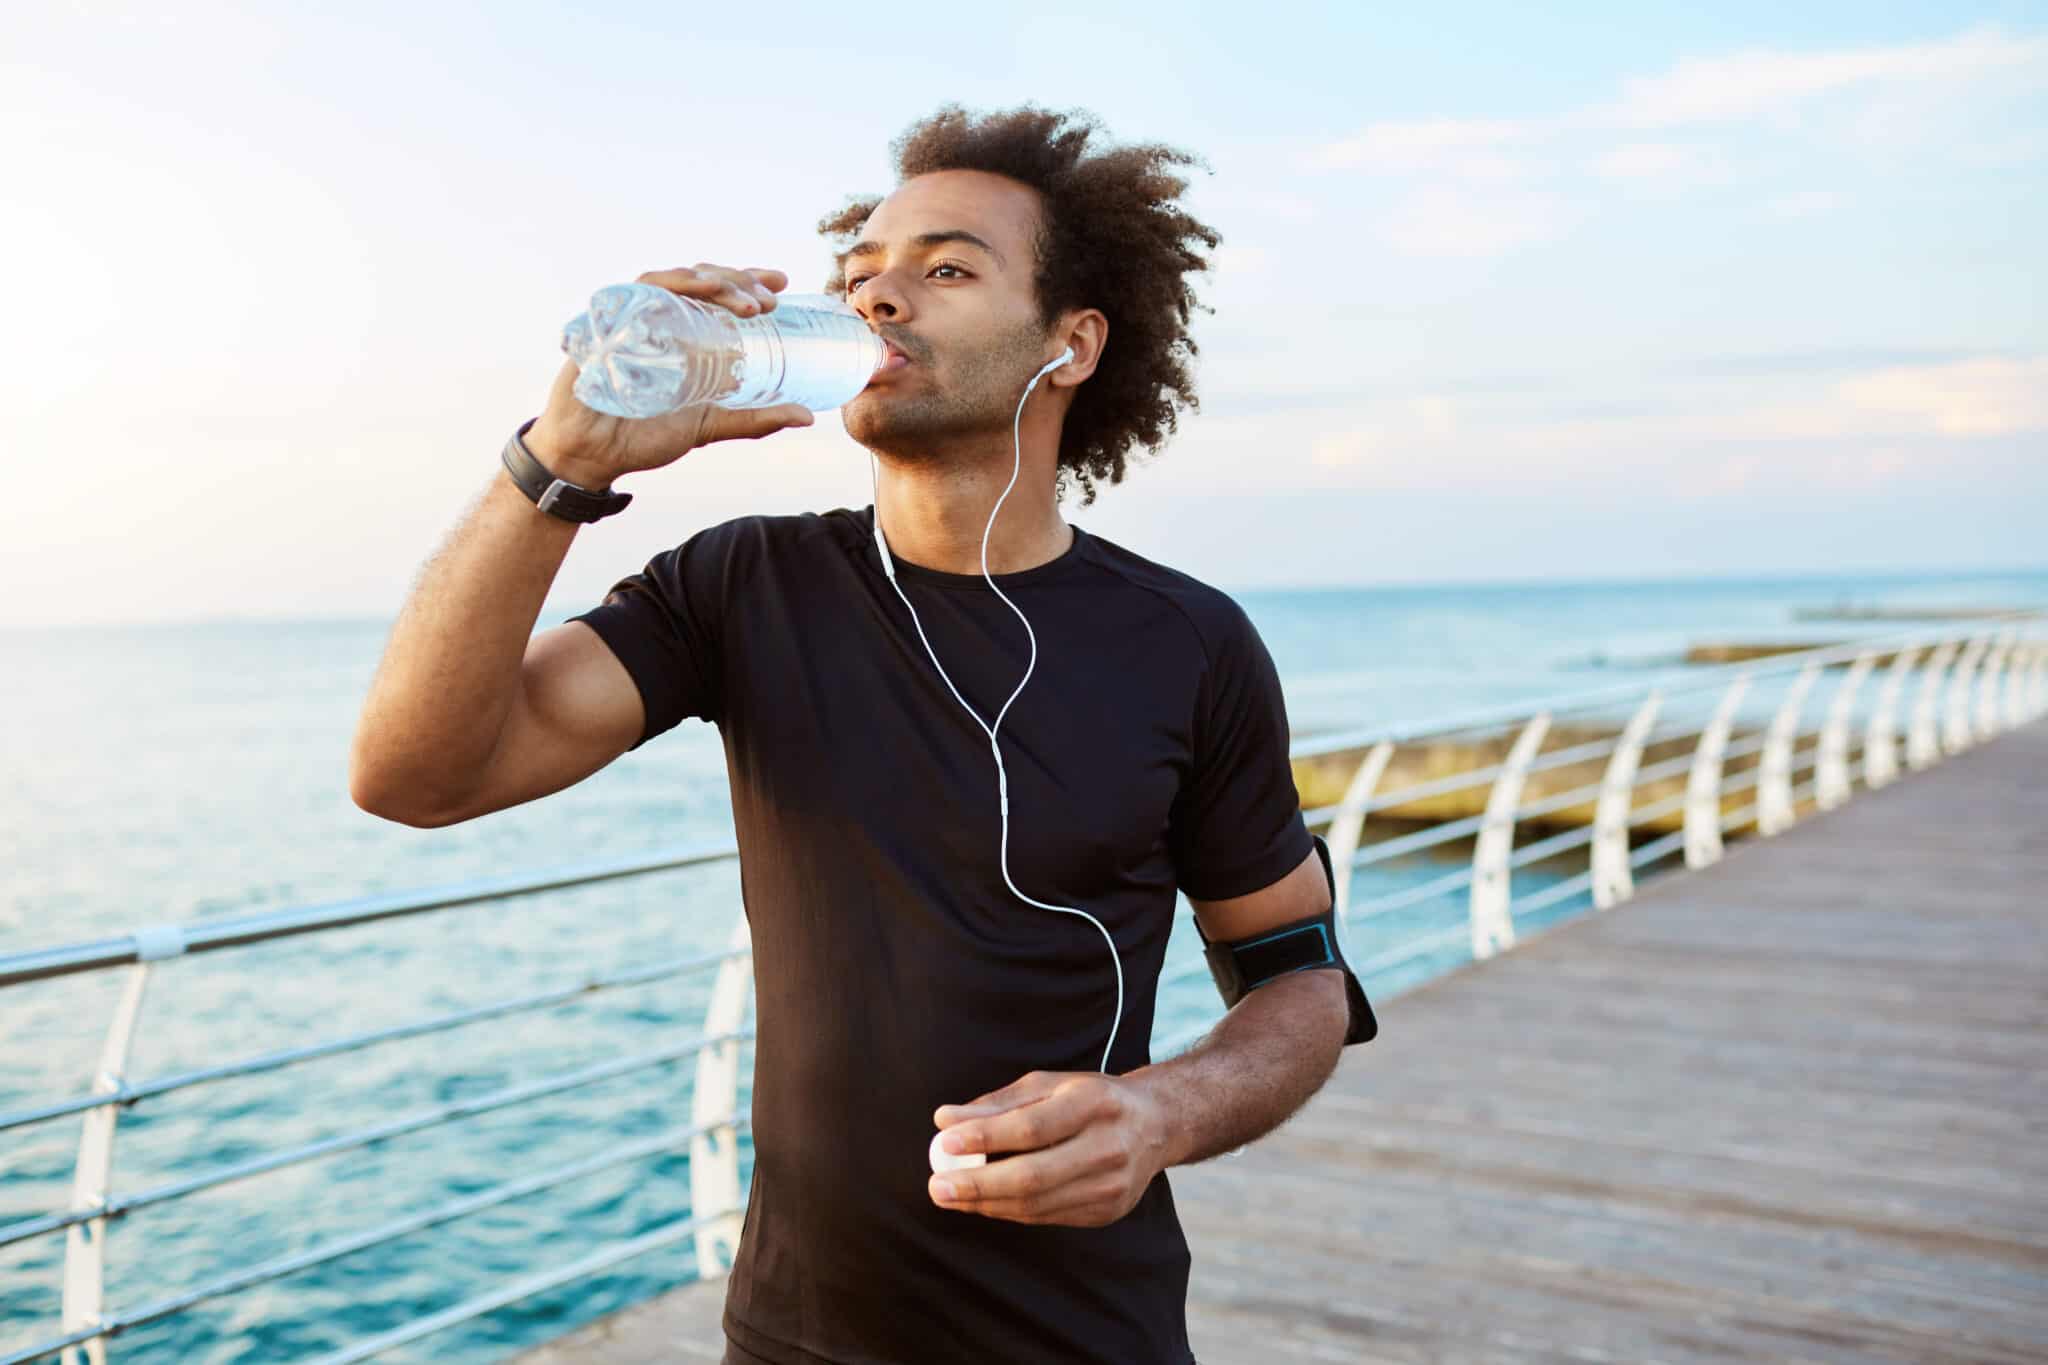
x=894, y=358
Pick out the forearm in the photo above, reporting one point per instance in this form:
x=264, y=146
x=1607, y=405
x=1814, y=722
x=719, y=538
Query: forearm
x=451, y=668
x=1273, y=1050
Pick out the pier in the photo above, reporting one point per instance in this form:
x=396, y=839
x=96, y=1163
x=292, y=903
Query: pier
x=1786, y=1108
x=1712, y=1014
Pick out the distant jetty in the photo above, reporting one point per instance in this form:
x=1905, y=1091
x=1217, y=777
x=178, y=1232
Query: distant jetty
x=1850, y=611
x=1742, y=652
x=1323, y=779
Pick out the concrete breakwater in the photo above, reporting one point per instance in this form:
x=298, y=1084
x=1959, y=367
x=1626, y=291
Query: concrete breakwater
x=1740, y=652
x=1849, y=611
x=1323, y=779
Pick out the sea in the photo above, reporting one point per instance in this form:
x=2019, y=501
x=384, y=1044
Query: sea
x=182, y=772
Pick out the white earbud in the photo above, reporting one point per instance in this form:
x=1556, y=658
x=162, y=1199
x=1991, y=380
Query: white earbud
x=943, y=1160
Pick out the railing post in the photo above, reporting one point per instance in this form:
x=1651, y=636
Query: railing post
x=2018, y=673
x=85, y=1244
x=1613, y=880
x=1923, y=741
x=1880, y=743
x=1703, y=782
x=1957, y=731
x=1988, y=718
x=1774, y=787
x=1831, y=776
x=1493, y=927
x=1349, y=825
x=715, y=1155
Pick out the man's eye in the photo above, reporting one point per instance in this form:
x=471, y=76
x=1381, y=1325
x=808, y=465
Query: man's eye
x=854, y=282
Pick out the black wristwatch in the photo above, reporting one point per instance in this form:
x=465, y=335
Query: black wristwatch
x=556, y=497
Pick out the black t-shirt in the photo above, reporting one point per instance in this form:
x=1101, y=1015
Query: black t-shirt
x=894, y=971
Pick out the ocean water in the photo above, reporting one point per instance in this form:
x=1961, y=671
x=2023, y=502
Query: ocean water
x=182, y=772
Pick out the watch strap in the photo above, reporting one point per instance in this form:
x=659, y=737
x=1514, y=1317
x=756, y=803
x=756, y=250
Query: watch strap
x=556, y=496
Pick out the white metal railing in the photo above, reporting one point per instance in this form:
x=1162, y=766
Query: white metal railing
x=2000, y=679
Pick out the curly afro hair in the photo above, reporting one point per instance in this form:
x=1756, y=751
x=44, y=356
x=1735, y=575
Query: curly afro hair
x=1113, y=239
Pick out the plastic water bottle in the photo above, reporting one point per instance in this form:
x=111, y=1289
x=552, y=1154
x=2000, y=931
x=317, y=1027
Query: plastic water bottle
x=643, y=351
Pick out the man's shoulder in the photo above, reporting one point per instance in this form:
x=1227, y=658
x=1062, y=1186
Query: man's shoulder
x=1214, y=614
x=740, y=544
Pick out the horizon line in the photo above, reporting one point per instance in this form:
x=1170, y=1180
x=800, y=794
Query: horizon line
x=1378, y=585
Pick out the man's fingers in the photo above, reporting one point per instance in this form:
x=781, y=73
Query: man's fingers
x=739, y=291
x=1074, y=1102
x=1082, y=1204
x=1073, y=1136
x=740, y=285
x=1026, y=1089
x=750, y=424
x=1039, y=1176
x=1048, y=1193
x=1028, y=1127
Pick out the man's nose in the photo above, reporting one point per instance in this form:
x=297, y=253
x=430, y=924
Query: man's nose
x=878, y=298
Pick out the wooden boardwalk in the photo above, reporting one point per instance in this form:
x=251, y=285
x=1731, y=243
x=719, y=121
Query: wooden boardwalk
x=1790, y=1108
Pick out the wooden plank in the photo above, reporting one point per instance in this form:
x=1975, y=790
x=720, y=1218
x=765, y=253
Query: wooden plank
x=1787, y=1108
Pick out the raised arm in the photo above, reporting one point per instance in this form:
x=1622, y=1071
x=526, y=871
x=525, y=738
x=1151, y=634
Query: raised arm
x=469, y=711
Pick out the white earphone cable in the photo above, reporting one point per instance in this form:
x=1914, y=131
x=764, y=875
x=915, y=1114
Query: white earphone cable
x=1002, y=776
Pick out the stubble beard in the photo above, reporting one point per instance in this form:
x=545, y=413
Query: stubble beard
x=955, y=409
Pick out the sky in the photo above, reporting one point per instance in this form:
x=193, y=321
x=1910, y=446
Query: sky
x=1506, y=292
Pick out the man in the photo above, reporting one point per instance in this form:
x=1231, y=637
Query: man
x=911, y=971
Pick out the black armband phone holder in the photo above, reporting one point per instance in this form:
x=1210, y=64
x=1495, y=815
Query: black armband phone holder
x=1243, y=966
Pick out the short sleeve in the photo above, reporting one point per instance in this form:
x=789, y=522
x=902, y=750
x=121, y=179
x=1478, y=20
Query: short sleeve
x=663, y=624
x=1236, y=825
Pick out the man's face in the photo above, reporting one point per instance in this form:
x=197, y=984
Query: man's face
x=943, y=270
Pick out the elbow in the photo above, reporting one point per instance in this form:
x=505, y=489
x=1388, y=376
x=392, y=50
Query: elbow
x=398, y=815
x=377, y=795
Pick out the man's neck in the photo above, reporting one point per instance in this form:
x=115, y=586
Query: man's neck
x=933, y=516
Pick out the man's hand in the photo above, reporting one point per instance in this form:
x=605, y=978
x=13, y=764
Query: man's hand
x=592, y=449
x=1085, y=1148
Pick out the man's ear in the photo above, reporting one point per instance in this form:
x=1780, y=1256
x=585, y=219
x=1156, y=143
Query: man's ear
x=1087, y=331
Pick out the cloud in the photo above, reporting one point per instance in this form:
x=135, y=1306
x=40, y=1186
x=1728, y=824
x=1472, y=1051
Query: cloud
x=1825, y=359
x=1451, y=221
x=1886, y=428
x=1436, y=417
x=1536, y=174
x=1991, y=396
x=1399, y=429
x=1660, y=169
x=1355, y=446
x=1984, y=396
x=1422, y=145
x=1648, y=161
x=1696, y=92
x=1717, y=478
x=1747, y=85
x=1802, y=204
x=1833, y=471
x=1240, y=260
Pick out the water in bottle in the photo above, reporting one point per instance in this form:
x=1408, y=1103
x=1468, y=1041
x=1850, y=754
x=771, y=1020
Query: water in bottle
x=643, y=351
